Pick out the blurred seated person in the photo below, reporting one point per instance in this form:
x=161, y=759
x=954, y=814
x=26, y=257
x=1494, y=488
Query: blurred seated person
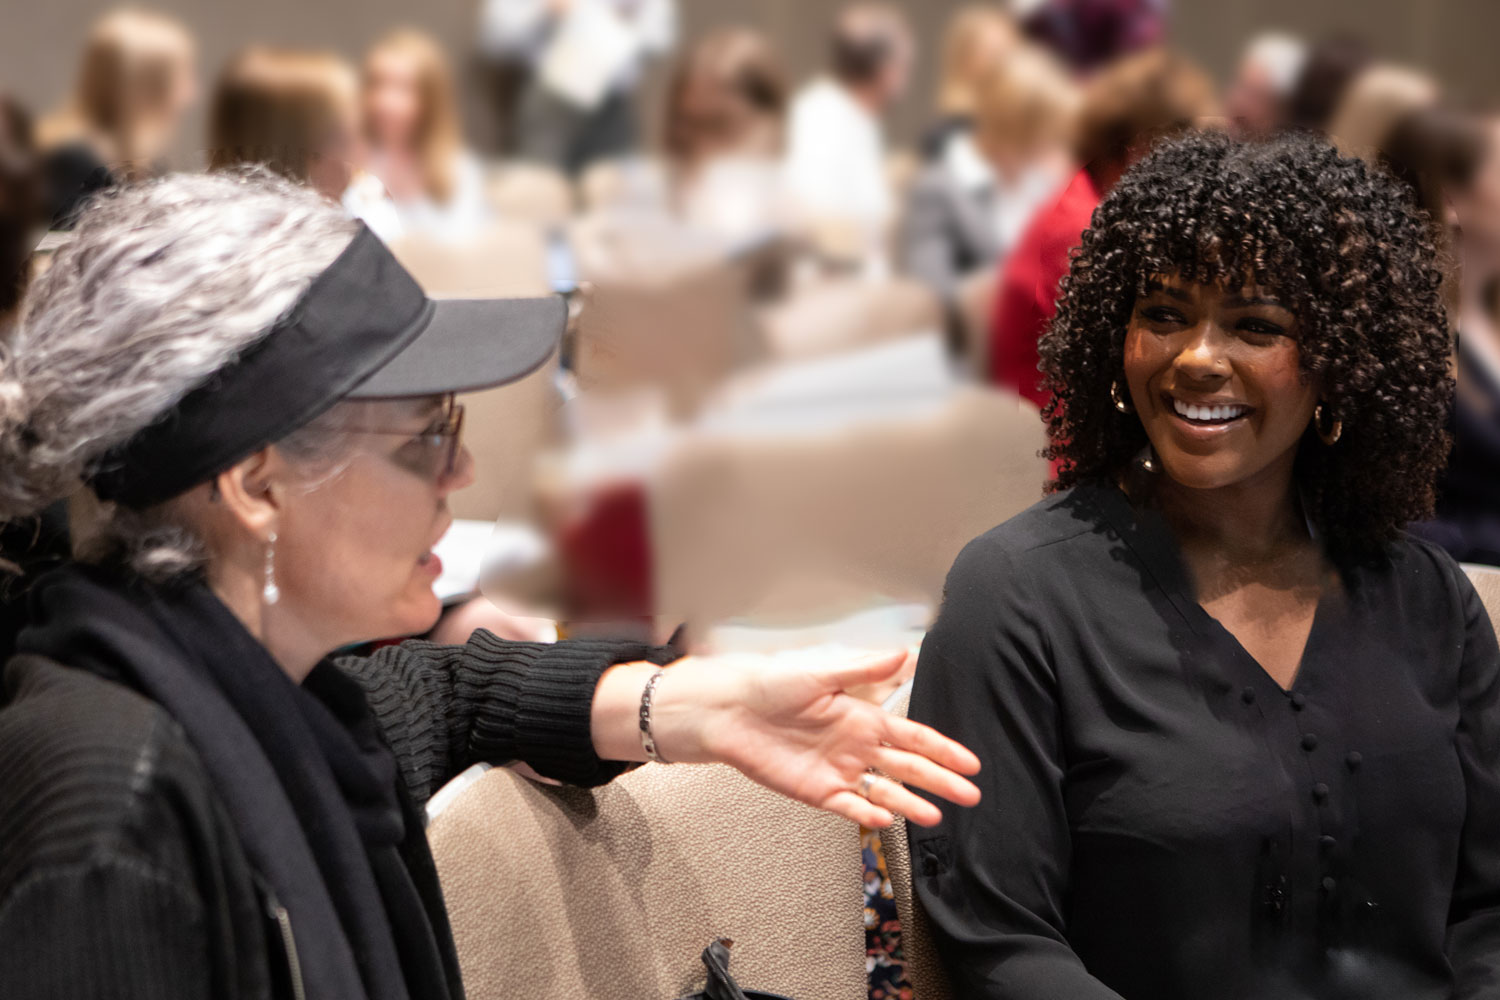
x=966, y=212
x=1126, y=109
x=584, y=61
x=27, y=545
x=136, y=80
x=836, y=150
x=296, y=111
x=1451, y=158
x=978, y=38
x=724, y=134
x=1257, y=102
x=1375, y=101
x=1090, y=34
x=413, y=139
x=1331, y=65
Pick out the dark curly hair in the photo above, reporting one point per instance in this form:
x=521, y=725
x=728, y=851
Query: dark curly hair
x=1344, y=248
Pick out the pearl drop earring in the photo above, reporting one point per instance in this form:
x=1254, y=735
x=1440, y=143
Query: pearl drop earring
x=271, y=593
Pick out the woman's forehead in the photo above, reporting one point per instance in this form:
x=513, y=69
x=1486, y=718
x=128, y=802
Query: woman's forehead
x=1244, y=287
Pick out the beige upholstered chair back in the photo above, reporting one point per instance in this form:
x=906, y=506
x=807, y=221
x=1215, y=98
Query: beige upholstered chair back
x=817, y=524
x=611, y=183
x=1486, y=580
x=680, y=335
x=529, y=192
x=505, y=429
x=923, y=969
x=506, y=258
x=847, y=314
x=571, y=894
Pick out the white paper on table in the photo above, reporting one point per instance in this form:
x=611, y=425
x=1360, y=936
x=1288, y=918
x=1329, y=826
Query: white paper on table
x=593, y=47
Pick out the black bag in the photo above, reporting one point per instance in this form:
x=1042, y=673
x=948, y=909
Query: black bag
x=721, y=985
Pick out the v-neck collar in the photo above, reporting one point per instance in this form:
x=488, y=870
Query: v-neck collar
x=1148, y=535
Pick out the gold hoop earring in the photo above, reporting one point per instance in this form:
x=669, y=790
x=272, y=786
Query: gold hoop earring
x=1331, y=434
x=1121, y=403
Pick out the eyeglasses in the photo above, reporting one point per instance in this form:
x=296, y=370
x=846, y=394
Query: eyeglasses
x=431, y=453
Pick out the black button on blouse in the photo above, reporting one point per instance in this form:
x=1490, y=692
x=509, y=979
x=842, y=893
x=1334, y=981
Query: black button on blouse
x=1161, y=821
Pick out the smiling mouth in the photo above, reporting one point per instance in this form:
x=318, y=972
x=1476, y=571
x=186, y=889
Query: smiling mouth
x=1217, y=414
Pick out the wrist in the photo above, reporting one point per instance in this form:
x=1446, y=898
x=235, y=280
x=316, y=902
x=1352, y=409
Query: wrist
x=682, y=712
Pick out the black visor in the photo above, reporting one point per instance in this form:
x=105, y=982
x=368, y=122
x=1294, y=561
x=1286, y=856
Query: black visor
x=363, y=330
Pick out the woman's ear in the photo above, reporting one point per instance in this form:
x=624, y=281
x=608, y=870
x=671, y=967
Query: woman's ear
x=252, y=492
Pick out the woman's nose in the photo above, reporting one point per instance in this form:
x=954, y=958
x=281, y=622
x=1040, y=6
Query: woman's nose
x=1204, y=355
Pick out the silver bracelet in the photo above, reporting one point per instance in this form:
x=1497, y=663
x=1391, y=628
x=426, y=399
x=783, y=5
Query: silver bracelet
x=648, y=739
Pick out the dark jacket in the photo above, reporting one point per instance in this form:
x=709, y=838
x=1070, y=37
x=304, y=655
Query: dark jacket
x=120, y=873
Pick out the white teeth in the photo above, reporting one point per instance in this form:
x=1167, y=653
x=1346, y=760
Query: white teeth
x=1206, y=414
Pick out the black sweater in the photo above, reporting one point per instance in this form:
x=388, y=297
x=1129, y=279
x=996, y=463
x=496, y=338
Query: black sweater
x=120, y=874
x=1162, y=821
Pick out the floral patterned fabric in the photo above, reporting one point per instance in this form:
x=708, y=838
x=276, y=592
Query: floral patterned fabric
x=884, y=961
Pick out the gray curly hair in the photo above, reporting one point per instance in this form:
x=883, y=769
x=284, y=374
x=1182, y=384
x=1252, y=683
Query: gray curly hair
x=163, y=284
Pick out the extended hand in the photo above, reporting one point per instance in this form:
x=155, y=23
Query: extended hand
x=789, y=725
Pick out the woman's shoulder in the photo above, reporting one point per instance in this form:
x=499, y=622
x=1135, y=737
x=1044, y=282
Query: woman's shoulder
x=90, y=771
x=1048, y=539
x=1421, y=571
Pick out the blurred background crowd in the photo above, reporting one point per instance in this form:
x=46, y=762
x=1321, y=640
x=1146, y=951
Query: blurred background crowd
x=809, y=249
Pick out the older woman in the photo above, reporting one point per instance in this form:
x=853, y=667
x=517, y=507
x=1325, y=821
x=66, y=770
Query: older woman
x=197, y=801
x=1243, y=733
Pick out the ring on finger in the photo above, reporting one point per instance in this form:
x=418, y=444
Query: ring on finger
x=865, y=783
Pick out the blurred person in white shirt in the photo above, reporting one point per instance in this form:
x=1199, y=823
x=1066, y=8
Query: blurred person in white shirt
x=836, y=151
x=415, y=147
x=586, y=59
x=724, y=135
x=1258, y=100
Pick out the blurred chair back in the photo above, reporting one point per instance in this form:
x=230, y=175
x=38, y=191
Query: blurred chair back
x=505, y=429
x=619, y=182
x=573, y=894
x=924, y=970
x=529, y=192
x=809, y=524
x=664, y=309
x=846, y=314
x=1486, y=580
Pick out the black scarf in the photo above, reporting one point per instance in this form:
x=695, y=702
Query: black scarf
x=306, y=777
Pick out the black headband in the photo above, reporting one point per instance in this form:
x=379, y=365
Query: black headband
x=358, y=315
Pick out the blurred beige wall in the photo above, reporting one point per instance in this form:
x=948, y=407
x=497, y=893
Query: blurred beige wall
x=1456, y=39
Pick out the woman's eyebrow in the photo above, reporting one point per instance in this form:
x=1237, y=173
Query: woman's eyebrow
x=1239, y=299
x=1180, y=294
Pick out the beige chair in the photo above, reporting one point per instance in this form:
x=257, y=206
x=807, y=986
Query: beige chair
x=611, y=183
x=663, y=309
x=924, y=970
x=571, y=894
x=1486, y=580
x=529, y=192
x=846, y=314
x=819, y=523
x=506, y=258
x=505, y=429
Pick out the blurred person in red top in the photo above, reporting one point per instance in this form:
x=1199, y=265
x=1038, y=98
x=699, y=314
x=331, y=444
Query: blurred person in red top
x=1126, y=109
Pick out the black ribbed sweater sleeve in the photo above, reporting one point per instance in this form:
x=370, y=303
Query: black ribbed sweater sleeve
x=444, y=708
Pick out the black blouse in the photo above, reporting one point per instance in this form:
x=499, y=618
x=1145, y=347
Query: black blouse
x=1162, y=821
